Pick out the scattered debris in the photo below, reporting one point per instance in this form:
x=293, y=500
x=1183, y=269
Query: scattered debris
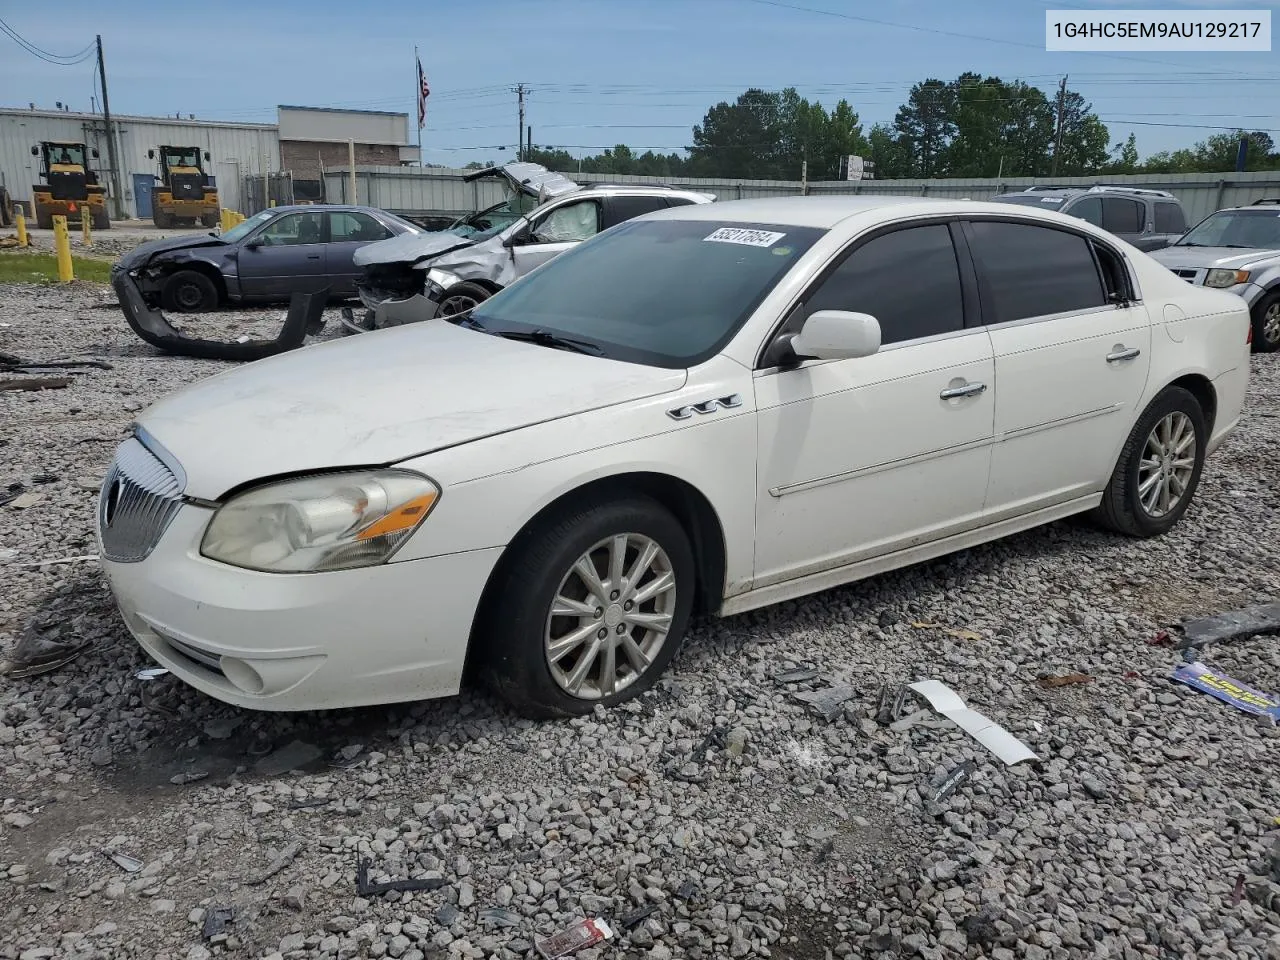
x=366, y=889
x=216, y=920
x=38, y=653
x=309, y=804
x=890, y=704
x=1207, y=680
x=285, y=858
x=687, y=890
x=1064, y=681
x=829, y=702
x=221, y=728
x=151, y=673
x=736, y=742
x=1238, y=892
x=799, y=675
x=953, y=779
x=289, y=757
x=988, y=733
x=1161, y=639
x=12, y=364
x=584, y=933
x=84, y=558
x=448, y=915
x=500, y=917
x=123, y=861
x=825, y=851
x=25, y=500
x=1248, y=622
x=36, y=383
x=182, y=779
x=633, y=918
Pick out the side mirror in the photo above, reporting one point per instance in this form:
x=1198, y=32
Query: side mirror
x=206, y=155
x=94, y=153
x=151, y=154
x=35, y=151
x=836, y=335
x=253, y=244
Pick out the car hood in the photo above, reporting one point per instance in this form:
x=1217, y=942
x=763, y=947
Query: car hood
x=145, y=251
x=409, y=247
x=380, y=398
x=1232, y=258
x=532, y=179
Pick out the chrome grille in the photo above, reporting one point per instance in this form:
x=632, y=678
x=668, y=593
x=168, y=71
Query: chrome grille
x=139, y=498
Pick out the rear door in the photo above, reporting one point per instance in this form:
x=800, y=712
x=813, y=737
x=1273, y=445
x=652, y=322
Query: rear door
x=285, y=256
x=349, y=230
x=552, y=232
x=1170, y=224
x=1126, y=218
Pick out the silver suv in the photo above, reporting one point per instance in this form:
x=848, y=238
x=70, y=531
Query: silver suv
x=1237, y=250
x=450, y=271
x=1147, y=219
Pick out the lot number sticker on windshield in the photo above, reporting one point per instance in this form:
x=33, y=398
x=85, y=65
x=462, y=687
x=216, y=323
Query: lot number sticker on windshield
x=750, y=238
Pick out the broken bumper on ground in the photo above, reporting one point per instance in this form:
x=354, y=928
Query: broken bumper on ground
x=305, y=310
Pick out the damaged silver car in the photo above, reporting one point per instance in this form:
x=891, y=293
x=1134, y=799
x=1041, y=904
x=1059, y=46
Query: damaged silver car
x=408, y=279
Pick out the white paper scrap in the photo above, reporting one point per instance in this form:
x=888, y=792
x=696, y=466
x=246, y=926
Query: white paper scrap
x=987, y=732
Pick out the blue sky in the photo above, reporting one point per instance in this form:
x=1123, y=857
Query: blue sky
x=640, y=72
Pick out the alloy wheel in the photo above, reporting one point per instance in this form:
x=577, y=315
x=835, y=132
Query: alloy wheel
x=1271, y=324
x=610, y=616
x=1167, y=465
x=451, y=306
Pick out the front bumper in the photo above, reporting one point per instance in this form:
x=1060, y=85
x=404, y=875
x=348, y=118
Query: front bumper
x=284, y=642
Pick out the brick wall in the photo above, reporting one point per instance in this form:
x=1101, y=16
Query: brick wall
x=304, y=157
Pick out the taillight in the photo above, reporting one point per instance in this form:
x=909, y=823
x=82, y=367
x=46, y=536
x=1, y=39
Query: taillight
x=1248, y=338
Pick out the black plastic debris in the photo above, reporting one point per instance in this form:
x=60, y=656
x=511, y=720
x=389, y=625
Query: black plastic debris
x=500, y=917
x=216, y=920
x=289, y=757
x=951, y=782
x=181, y=779
x=829, y=702
x=1260, y=620
x=890, y=704
x=12, y=492
x=635, y=916
x=798, y=675
x=125, y=862
x=367, y=889
x=308, y=804
x=687, y=890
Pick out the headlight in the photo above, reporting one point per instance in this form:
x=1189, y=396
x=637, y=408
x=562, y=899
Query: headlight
x=442, y=278
x=330, y=522
x=1226, y=278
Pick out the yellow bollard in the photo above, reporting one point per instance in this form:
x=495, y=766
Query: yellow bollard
x=86, y=229
x=222, y=219
x=20, y=222
x=62, y=247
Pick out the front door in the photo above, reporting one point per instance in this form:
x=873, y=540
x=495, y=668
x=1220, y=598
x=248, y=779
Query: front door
x=284, y=257
x=349, y=230
x=553, y=232
x=867, y=456
x=1071, y=355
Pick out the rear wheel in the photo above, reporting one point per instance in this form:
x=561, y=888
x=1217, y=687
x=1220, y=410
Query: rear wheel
x=209, y=220
x=461, y=297
x=189, y=291
x=1159, y=467
x=101, y=220
x=44, y=219
x=589, y=608
x=1266, y=323
x=161, y=219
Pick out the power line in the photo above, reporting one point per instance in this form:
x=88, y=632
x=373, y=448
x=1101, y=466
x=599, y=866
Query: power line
x=54, y=58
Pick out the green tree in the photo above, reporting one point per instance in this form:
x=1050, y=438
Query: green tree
x=979, y=118
x=889, y=152
x=1126, y=156
x=925, y=124
x=1085, y=139
x=740, y=139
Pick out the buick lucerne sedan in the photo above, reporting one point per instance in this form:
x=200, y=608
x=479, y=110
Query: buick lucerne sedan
x=706, y=409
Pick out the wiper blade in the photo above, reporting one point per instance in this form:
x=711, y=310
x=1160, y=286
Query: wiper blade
x=545, y=339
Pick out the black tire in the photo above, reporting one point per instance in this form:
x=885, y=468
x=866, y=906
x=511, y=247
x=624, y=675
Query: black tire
x=513, y=659
x=209, y=220
x=1266, y=323
x=44, y=219
x=161, y=219
x=462, y=297
x=1122, y=509
x=189, y=291
x=101, y=219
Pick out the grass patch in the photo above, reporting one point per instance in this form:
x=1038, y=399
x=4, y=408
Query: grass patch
x=43, y=268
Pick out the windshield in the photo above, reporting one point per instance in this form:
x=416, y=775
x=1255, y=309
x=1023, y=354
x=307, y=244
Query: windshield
x=182, y=157
x=1028, y=199
x=669, y=293
x=488, y=223
x=241, y=230
x=1252, y=229
x=69, y=155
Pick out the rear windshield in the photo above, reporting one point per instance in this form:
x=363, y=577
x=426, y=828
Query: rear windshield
x=669, y=293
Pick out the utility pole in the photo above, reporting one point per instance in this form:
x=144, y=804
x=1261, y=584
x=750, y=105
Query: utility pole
x=1057, y=137
x=520, y=139
x=351, y=167
x=116, y=196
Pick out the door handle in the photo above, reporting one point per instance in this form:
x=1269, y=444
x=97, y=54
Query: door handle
x=965, y=390
x=313, y=256
x=1123, y=353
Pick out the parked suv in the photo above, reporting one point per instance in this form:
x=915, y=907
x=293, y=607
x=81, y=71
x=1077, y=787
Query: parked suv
x=450, y=272
x=1237, y=250
x=1148, y=219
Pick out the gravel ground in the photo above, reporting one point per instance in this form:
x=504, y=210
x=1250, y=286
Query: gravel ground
x=751, y=826
x=106, y=244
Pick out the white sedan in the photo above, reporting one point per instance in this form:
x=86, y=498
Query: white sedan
x=710, y=408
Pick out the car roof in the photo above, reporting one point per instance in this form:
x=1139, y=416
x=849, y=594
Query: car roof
x=326, y=208
x=826, y=212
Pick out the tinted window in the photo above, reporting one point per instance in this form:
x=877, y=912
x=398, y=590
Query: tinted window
x=356, y=226
x=664, y=292
x=292, y=229
x=1090, y=209
x=1034, y=271
x=677, y=201
x=1122, y=216
x=1169, y=218
x=621, y=209
x=908, y=280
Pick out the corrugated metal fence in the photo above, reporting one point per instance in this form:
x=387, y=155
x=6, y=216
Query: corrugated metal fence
x=439, y=191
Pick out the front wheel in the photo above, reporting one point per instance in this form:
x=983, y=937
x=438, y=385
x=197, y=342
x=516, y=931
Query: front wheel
x=189, y=291
x=460, y=298
x=589, y=608
x=1159, y=467
x=101, y=219
x=1266, y=323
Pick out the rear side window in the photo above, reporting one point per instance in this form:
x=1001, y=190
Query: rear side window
x=1033, y=271
x=1121, y=215
x=620, y=209
x=908, y=280
x=1169, y=218
x=677, y=201
x=1090, y=209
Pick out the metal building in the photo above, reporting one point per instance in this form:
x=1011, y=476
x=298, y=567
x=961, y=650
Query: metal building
x=237, y=150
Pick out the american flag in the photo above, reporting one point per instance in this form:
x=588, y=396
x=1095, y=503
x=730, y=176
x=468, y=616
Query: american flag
x=424, y=91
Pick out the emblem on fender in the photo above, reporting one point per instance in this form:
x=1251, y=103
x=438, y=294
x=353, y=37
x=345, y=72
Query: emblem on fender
x=706, y=406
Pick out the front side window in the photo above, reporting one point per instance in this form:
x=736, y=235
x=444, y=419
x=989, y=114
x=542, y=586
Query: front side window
x=1120, y=215
x=246, y=227
x=668, y=293
x=1169, y=218
x=1033, y=271
x=293, y=229
x=573, y=221
x=1089, y=209
x=908, y=280
x=352, y=226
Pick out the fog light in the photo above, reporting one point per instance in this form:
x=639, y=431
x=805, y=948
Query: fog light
x=242, y=675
